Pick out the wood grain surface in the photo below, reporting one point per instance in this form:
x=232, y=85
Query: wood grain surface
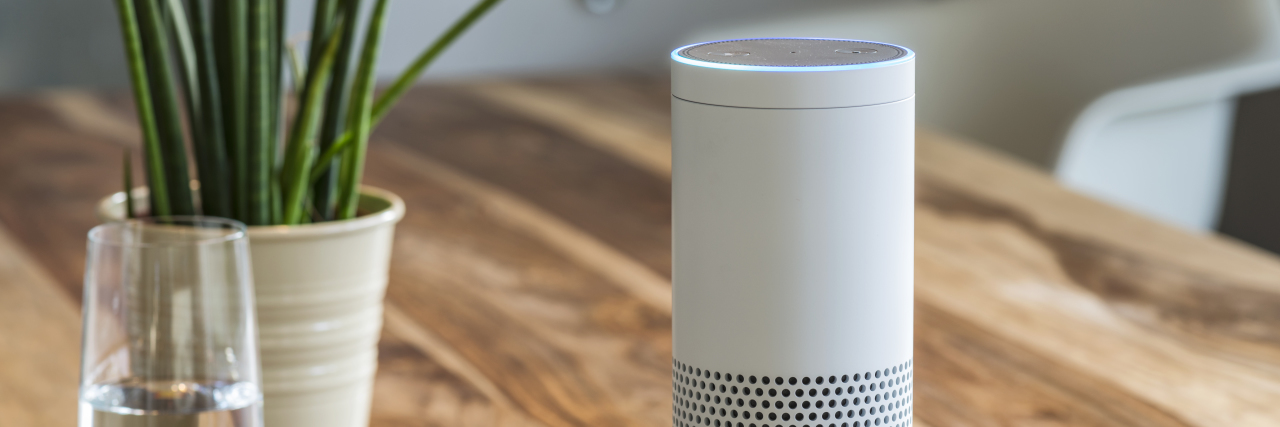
x=530, y=284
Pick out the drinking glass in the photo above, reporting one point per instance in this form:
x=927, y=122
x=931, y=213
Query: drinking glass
x=170, y=338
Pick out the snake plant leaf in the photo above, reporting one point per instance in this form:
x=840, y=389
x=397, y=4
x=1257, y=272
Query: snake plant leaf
x=297, y=71
x=230, y=41
x=324, y=189
x=420, y=64
x=208, y=141
x=259, y=136
x=229, y=92
x=129, y=210
x=360, y=120
x=186, y=56
x=323, y=19
x=146, y=114
x=408, y=77
x=152, y=18
x=300, y=152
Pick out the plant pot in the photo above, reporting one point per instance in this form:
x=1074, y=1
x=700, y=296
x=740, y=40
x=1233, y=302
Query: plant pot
x=319, y=290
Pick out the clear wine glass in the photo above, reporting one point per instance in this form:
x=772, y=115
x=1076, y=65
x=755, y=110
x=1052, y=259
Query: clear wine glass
x=170, y=337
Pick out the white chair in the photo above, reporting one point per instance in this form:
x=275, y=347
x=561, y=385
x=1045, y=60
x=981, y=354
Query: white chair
x=1026, y=76
x=1161, y=148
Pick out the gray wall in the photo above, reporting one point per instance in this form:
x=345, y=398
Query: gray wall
x=52, y=43
x=59, y=42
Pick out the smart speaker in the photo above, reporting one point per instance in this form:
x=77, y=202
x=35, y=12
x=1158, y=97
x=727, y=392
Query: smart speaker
x=793, y=190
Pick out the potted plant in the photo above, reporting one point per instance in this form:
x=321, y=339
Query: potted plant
x=209, y=74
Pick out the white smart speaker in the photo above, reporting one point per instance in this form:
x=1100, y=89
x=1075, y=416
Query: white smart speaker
x=793, y=191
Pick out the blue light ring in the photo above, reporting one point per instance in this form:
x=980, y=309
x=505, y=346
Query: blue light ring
x=906, y=57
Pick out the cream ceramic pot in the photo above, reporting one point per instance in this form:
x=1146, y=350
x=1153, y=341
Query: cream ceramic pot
x=319, y=290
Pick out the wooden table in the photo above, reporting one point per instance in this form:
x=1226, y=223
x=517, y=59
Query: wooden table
x=530, y=284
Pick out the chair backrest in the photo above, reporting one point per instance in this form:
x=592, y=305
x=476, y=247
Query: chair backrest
x=1163, y=148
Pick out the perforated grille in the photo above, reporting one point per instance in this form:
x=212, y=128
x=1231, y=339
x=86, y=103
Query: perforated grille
x=703, y=397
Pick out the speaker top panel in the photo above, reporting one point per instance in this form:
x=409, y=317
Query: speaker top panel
x=792, y=73
x=795, y=53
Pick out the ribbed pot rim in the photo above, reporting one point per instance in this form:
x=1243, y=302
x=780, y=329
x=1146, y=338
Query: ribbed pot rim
x=392, y=214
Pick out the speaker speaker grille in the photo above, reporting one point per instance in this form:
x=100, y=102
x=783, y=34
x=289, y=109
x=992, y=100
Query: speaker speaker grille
x=703, y=397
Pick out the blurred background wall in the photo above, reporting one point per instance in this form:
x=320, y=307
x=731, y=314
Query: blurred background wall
x=45, y=43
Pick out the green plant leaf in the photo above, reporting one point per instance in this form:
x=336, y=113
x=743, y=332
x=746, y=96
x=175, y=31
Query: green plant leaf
x=323, y=19
x=152, y=18
x=208, y=140
x=188, y=25
x=420, y=64
x=359, y=119
x=407, y=78
x=129, y=210
x=231, y=68
x=296, y=69
x=186, y=56
x=324, y=189
x=300, y=152
x=259, y=135
x=230, y=42
x=146, y=115
x=279, y=9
